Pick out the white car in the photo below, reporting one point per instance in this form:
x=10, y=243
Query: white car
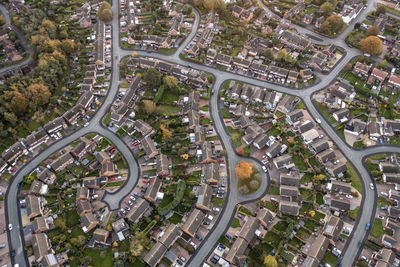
x=264, y=168
x=349, y=196
x=318, y=120
x=371, y=185
x=10, y=227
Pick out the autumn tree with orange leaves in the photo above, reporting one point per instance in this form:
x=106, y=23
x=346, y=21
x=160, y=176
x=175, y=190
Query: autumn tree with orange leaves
x=244, y=170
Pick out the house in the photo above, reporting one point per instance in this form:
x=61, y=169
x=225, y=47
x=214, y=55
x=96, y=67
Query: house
x=306, y=74
x=294, y=116
x=137, y=210
x=148, y=146
x=83, y=206
x=273, y=150
x=85, y=100
x=309, y=136
x=261, y=141
x=3, y=166
x=289, y=207
x=41, y=246
x=318, y=61
x=211, y=173
x=316, y=247
x=211, y=54
x=360, y=68
x=326, y=155
x=258, y=68
x=247, y=232
x=237, y=11
x=35, y=139
x=156, y=253
x=388, y=167
x=284, y=161
x=278, y=72
x=119, y=225
x=337, y=170
x=206, y=153
x=170, y=235
x=46, y=176
x=246, y=16
x=295, y=40
x=289, y=191
x=34, y=206
x=194, y=119
x=329, y=50
x=380, y=22
x=391, y=178
x=236, y=254
x=319, y=21
x=55, y=126
x=264, y=216
x=152, y=189
x=318, y=146
x=341, y=115
x=340, y=203
x=270, y=100
x=38, y=188
x=100, y=236
x=394, y=81
x=162, y=165
x=308, y=19
x=374, y=130
x=258, y=95
x=377, y=74
x=333, y=227
x=88, y=222
x=285, y=105
x=73, y=114
x=292, y=76
x=193, y=222
x=13, y=153
x=82, y=193
x=395, y=48
x=102, y=157
x=394, y=212
x=355, y=127
x=241, y=63
x=40, y=225
x=224, y=60
x=62, y=162
x=289, y=179
x=204, y=195
x=343, y=91
x=386, y=256
x=341, y=187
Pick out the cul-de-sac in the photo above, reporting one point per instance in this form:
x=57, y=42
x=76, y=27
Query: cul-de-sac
x=200, y=133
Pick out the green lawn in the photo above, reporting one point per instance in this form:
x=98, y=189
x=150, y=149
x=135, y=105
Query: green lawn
x=97, y=260
x=72, y=218
x=319, y=199
x=330, y=258
x=170, y=110
x=353, y=213
x=274, y=190
x=168, y=97
x=272, y=239
x=355, y=180
x=175, y=218
x=377, y=229
x=325, y=111
x=168, y=51
x=299, y=162
x=235, y=223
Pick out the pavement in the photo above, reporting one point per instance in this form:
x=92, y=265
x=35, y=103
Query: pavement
x=355, y=157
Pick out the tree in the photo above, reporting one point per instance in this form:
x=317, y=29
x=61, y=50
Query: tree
x=327, y=8
x=380, y=10
x=50, y=28
x=16, y=102
x=244, y=170
x=268, y=53
x=270, y=261
x=152, y=77
x=2, y=21
x=78, y=241
x=332, y=25
x=187, y=10
x=357, y=26
x=166, y=134
x=87, y=260
x=382, y=65
x=60, y=223
x=38, y=93
x=372, y=45
x=138, y=241
x=68, y=46
x=170, y=81
x=105, y=12
x=149, y=107
x=372, y=30
x=281, y=55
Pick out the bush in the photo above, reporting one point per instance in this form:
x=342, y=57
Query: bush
x=180, y=192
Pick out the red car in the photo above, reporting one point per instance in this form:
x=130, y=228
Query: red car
x=202, y=116
x=44, y=162
x=111, y=178
x=13, y=170
x=112, y=151
x=144, y=181
x=228, y=121
x=135, y=144
x=220, y=160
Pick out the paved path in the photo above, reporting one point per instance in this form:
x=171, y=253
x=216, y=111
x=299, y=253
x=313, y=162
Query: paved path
x=355, y=157
x=21, y=37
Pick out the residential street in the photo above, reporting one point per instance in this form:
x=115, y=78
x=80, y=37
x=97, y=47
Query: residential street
x=355, y=157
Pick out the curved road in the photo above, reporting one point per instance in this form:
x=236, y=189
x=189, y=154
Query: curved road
x=21, y=37
x=355, y=157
